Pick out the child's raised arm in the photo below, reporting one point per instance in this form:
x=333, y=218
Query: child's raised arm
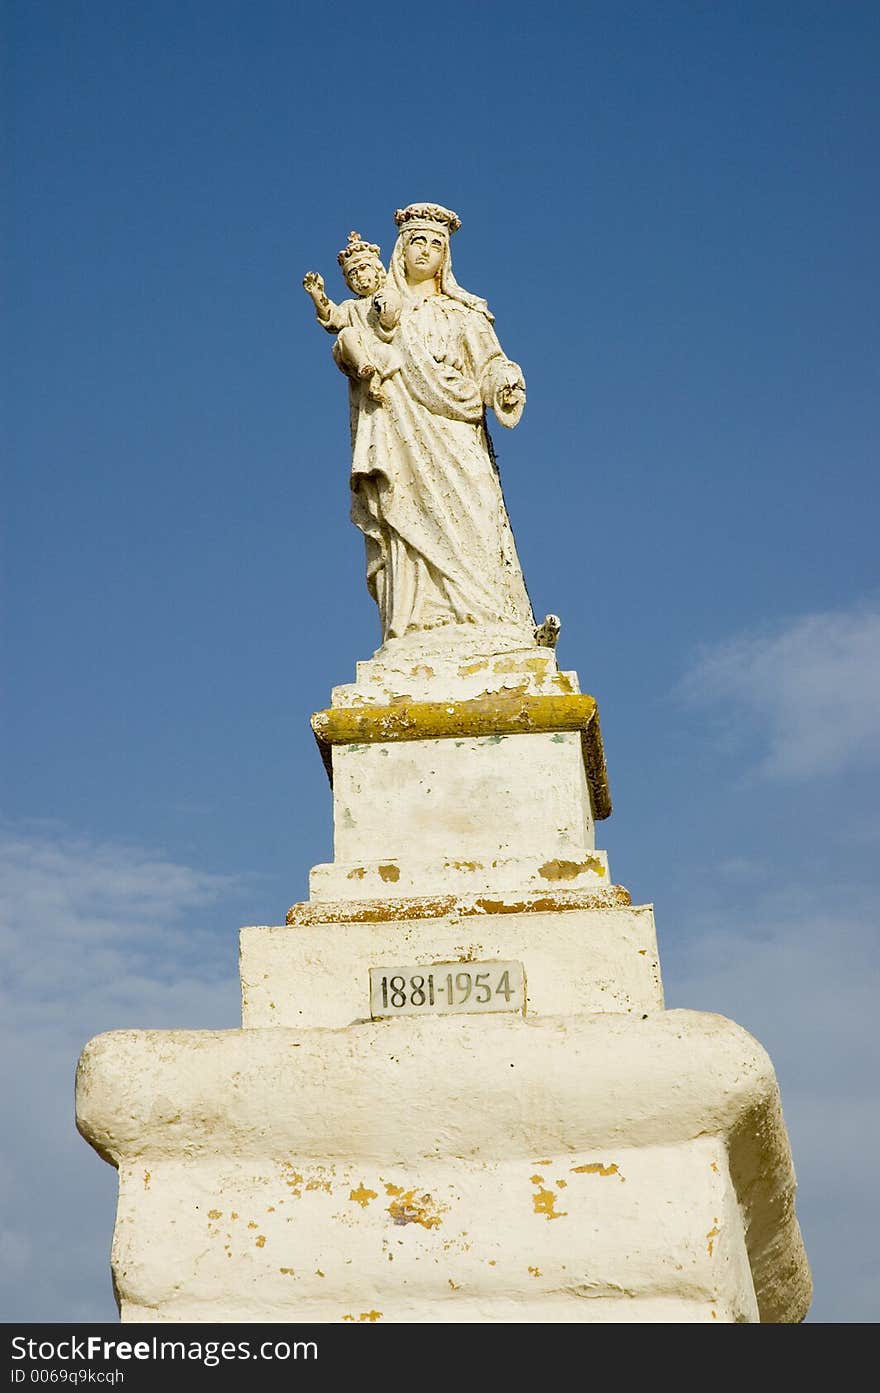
x=329, y=315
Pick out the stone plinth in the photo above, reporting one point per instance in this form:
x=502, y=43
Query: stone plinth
x=582, y=1155
x=583, y=953
x=588, y=1168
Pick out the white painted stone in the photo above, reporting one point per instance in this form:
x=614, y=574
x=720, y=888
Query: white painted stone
x=445, y=664
x=500, y=797
x=268, y=1174
x=454, y=875
x=576, y=961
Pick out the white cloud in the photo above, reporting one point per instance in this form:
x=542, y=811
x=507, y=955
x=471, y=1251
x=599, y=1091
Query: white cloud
x=810, y=691
x=94, y=936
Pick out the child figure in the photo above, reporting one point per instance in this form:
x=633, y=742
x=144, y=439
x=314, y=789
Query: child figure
x=365, y=326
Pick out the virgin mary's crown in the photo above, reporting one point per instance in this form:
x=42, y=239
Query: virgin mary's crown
x=429, y=216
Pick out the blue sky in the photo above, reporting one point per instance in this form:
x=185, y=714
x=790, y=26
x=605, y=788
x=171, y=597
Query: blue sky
x=673, y=212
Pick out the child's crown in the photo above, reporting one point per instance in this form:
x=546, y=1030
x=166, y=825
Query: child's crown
x=355, y=249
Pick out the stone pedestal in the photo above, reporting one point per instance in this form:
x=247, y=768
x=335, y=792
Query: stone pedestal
x=587, y=1156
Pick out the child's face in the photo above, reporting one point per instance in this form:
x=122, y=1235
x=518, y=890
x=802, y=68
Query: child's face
x=364, y=277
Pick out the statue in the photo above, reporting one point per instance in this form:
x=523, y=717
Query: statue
x=424, y=364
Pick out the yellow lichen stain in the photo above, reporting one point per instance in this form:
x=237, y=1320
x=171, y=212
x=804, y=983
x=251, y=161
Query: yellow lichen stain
x=714, y=1167
x=714, y=1315
x=567, y=870
x=287, y=1271
x=348, y=1317
x=252, y=1225
x=389, y=873
x=642, y=952
x=456, y=1286
x=292, y=1179
x=357, y=874
x=318, y=1272
x=562, y=1184
x=468, y=668
x=434, y=906
x=712, y=1235
x=493, y=1262
x=260, y=1240
x=537, y=1179
x=544, y=1202
x=421, y=670
x=215, y=1214
x=543, y=1163
x=370, y=1315
x=464, y=865
x=424, y=1210
x=318, y=1183
x=362, y=1195
x=270, y=1209
x=233, y=1215
x=393, y=1189
x=147, y=1178
x=535, y=1271
x=596, y=1168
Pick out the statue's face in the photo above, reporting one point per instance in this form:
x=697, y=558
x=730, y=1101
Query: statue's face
x=423, y=255
x=364, y=277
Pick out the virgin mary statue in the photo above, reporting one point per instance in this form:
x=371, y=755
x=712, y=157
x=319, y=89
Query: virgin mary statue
x=425, y=486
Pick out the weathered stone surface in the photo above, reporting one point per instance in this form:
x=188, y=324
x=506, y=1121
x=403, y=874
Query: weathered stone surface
x=578, y=961
x=586, y=1168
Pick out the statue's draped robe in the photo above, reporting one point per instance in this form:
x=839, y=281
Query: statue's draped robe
x=425, y=489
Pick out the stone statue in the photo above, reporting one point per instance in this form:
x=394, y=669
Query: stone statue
x=424, y=364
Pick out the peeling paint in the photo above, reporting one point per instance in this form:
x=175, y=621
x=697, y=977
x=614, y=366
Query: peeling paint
x=425, y=1210
x=544, y=1203
x=362, y=1195
x=596, y=1168
x=310, y=913
x=712, y=1235
x=568, y=870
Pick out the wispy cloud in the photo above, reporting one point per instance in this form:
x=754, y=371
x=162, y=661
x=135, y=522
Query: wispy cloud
x=810, y=691
x=94, y=936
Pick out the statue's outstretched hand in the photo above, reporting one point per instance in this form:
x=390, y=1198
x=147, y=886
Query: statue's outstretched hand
x=313, y=284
